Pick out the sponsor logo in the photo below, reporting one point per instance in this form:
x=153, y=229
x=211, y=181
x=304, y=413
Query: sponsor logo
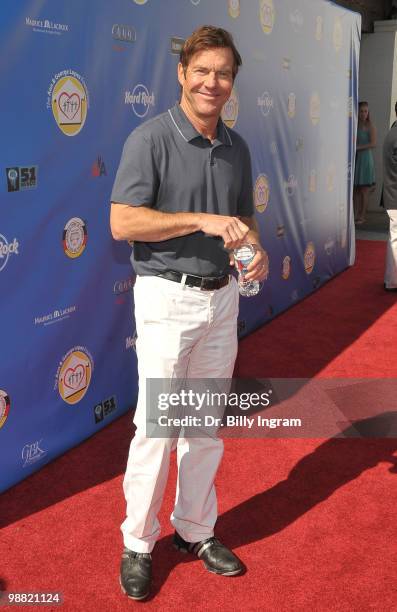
x=130, y=342
x=55, y=316
x=286, y=63
x=296, y=20
x=140, y=1
x=74, y=238
x=266, y=15
x=313, y=181
x=265, y=103
x=122, y=286
x=299, y=144
x=5, y=404
x=74, y=374
x=124, y=33
x=46, y=26
x=315, y=108
x=234, y=8
x=261, y=193
x=7, y=249
x=195, y=2
x=319, y=28
x=140, y=100
x=330, y=178
x=280, y=231
x=177, y=44
x=31, y=453
x=329, y=246
x=273, y=147
x=230, y=110
x=105, y=408
x=291, y=185
x=68, y=100
x=98, y=168
x=21, y=177
x=337, y=35
x=286, y=268
x=294, y=295
x=291, y=105
x=309, y=258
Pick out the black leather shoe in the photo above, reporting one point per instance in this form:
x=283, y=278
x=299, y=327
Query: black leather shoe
x=217, y=558
x=135, y=574
x=389, y=288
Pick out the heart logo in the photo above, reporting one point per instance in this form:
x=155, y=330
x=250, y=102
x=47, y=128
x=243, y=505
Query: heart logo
x=69, y=104
x=74, y=376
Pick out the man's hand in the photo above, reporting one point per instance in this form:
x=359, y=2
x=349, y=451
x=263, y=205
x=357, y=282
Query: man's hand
x=231, y=229
x=258, y=268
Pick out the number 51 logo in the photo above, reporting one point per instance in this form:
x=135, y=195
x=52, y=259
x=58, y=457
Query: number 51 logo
x=21, y=177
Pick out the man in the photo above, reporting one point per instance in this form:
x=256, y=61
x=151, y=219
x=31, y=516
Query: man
x=389, y=197
x=183, y=194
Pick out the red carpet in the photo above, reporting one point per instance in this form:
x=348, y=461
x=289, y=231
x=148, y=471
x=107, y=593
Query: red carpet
x=314, y=520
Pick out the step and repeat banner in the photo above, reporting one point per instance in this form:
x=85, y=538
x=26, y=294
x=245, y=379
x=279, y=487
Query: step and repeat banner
x=77, y=76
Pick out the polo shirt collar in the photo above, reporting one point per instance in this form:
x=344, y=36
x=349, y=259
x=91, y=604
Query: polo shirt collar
x=189, y=132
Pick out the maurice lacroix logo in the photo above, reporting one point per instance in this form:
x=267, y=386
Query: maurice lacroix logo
x=140, y=100
x=124, y=33
x=32, y=452
x=7, y=249
x=20, y=178
x=55, y=316
x=46, y=26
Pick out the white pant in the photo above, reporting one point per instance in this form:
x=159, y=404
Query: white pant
x=391, y=254
x=183, y=332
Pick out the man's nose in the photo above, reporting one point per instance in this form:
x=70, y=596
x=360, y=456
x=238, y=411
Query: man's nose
x=211, y=79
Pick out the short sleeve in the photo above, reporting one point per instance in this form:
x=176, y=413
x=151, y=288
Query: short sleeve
x=136, y=180
x=245, y=204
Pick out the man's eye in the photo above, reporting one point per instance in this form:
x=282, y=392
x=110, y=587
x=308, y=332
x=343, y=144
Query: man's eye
x=200, y=71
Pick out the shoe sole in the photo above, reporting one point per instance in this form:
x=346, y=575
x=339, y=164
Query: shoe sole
x=132, y=596
x=184, y=551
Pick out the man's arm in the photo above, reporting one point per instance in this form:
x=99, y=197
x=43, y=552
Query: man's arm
x=145, y=224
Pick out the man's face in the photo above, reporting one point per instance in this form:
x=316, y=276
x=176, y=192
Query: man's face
x=208, y=82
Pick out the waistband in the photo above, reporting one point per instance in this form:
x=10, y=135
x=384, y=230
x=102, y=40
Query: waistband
x=205, y=283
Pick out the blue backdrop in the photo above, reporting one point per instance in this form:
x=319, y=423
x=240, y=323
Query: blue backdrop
x=77, y=77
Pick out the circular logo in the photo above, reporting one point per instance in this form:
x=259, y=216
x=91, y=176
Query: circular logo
x=309, y=258
x=69, y=103
x=338, y=34
x=74, y=237
x=230, y=110
x=140, y=1
x=315, y=108
x=266, y=15
x=4, y=407
x=141, y=100
x=286, y=267
x=234, y=8
x=265, y=103
x=261, y=193
x=74, y=375
x=6, y=249
x=291, y=105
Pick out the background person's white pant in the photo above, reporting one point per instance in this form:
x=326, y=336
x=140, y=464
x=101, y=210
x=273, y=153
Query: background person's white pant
x=183, y=332
x=391, y=254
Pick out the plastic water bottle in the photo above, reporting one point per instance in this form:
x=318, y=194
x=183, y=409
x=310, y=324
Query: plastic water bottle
x=243, y=257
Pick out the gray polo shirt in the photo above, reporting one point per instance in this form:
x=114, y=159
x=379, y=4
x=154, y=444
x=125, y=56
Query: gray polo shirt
x=390, y=169
x=168, y=166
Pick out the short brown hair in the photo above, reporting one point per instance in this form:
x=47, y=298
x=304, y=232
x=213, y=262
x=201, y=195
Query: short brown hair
x=208, y=37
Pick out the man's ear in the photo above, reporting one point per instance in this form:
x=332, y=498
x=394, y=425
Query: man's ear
x=181, y=74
